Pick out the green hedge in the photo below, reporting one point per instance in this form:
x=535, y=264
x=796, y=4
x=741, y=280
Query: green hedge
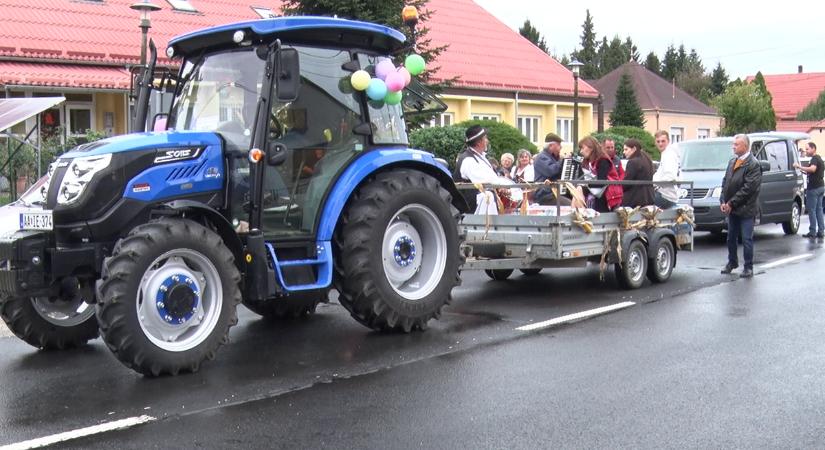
x=447, y=142
x=617, y=138
x=647, y=140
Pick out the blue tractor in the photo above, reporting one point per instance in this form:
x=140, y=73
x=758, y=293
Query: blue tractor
x=273, y=181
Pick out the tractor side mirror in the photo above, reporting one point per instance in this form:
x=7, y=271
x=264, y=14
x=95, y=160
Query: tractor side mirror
x=276, y=154
x=288, y=75
x=765, y=166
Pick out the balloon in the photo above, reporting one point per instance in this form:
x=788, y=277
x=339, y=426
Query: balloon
x=393, y=98
x=384, y=68
x=360, y=80
x=395, y=81
x=345, y=85
x=406, y=74
x=377, y=90
x=415, y=64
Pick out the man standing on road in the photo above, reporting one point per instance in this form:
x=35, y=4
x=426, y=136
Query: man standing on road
x=547, y=166
x=610, y=149
x=814, y=192
x=666, y=196
x=739, y=201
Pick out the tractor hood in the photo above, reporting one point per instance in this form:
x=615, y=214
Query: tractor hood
x=144, y=141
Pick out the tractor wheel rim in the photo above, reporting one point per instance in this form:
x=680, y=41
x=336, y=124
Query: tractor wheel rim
x=179, y=300
x=414, y=251
x=63, y=313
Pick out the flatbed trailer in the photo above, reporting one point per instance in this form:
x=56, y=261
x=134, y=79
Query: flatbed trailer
x=638, y=243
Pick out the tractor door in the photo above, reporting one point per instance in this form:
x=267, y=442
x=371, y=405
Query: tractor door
x=316, y=132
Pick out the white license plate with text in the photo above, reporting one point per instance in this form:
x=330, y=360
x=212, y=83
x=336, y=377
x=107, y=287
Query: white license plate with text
x=36, y=221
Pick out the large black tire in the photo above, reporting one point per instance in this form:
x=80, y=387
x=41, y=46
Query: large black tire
x=168, y=296
x=488, y=249
x=498, y=274
x=401, y=225
x=631, y=271
x=660, y=265
x=792, y=225
x=299, y=305
x=530, y=272
x=49, y=324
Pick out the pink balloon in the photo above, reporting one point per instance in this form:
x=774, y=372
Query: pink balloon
x=406, y=74
x=395, y=81
x=384, y=68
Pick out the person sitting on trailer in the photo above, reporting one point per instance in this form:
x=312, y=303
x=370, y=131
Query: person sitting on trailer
x=547, y=166
x=472, y=166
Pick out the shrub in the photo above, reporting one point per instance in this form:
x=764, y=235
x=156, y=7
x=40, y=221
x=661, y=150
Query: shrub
x=503, y=137
x=648, y=143
x=443, y=142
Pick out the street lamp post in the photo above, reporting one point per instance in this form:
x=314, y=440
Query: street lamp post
x=575, y=66
x=145, y=8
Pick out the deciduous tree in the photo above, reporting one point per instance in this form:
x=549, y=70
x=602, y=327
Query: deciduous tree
x=745, y=109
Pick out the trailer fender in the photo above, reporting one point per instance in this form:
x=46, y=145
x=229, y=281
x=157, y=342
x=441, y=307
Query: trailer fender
x=628, y=236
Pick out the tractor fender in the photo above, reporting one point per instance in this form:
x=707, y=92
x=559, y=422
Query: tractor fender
x=222, y=226
x=653, y=238
x=371, y=163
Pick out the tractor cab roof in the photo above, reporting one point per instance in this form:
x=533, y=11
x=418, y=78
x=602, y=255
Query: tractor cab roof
x=293, y=30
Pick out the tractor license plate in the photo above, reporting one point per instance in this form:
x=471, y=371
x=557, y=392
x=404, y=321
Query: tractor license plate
x=36, y=221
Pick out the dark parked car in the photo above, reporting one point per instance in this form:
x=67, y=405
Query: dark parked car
x=781, y=198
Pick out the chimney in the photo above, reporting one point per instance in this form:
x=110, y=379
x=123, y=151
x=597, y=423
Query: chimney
x=799, y=68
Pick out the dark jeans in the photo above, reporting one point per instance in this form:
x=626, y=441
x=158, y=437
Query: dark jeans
x=662, y=202
x=813, y=198
x=740, y=226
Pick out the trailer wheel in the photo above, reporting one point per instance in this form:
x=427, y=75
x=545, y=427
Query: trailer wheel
x=530, y=272
x=168, y=297
x=397, y=251
x=299, y=305
x=498, y=274
x=49, y=323
x=631, y=271
x=661, y=264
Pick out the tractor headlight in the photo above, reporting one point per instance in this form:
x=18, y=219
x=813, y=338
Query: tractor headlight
x=717, y=192
x=80, y=173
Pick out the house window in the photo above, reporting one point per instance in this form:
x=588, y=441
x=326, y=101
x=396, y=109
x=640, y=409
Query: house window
x=182, y=5
x=79, y=119
x=493, y=117
x=702, y=133
x=264, y=12
x=564, y=128
x=442, y=120
x=529, y=127
x=677, y=134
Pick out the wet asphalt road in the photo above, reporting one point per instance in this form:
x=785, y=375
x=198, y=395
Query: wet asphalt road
x=704, y=360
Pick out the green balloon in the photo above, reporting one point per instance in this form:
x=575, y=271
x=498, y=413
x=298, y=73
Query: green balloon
x=414, y=64
x=393, y=98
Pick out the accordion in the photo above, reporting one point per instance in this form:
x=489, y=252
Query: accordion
x=571, y=169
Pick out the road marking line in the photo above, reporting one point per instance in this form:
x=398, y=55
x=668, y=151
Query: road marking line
x=779, y=262
x=79, y=433
x=574, y=317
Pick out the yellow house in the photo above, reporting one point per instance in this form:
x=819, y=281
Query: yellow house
x=497, y=74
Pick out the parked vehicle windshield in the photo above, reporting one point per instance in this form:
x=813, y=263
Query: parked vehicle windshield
x=220, y=94
x=703, y=155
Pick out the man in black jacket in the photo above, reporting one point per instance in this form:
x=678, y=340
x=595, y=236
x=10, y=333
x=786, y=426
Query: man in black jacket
x=740, y=201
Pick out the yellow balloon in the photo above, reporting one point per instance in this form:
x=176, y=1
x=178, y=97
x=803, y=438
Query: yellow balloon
x=360, y=80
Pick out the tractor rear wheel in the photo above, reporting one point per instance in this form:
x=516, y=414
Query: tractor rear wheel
x=397, y=251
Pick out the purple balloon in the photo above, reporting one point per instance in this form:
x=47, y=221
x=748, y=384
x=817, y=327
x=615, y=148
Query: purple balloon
x=384, y=68
x=395, y=81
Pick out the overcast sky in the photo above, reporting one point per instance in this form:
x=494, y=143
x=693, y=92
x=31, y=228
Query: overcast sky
x=742, y=36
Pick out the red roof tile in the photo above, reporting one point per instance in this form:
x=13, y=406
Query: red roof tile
x=792, y=93
x=797, y=125
x=63, y=75
x=485, y=53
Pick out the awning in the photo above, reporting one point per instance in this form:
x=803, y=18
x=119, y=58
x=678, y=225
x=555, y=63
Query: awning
x=16, y=110
x=15, y=73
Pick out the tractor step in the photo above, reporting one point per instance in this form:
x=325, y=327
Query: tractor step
x=324, y=271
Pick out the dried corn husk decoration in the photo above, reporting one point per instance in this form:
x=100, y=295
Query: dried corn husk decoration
x=625, y=213
x=649, y=220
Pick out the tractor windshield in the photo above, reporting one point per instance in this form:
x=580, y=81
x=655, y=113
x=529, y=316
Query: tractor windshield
x=220, y=94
